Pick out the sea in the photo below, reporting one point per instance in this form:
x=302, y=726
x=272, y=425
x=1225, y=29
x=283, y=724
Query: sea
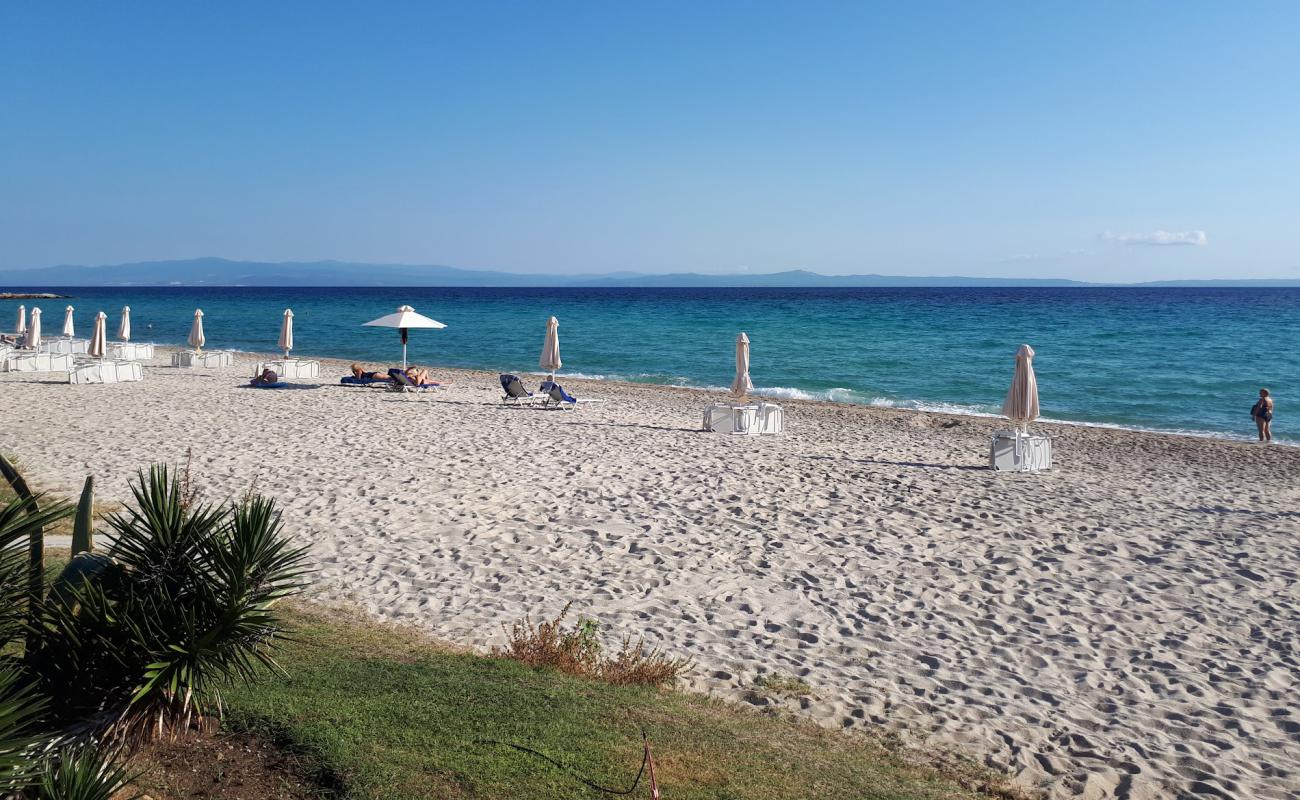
x=1179, y=360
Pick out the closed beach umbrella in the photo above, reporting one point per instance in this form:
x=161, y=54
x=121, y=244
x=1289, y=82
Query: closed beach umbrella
x=742, y=386
x=1021, y=405
x=68, y=330
x=99, y=339
x=196, y=339
x=286, y=332
x=550, y=360
x=34, y=330
x=22, y=320
x=404, y=319
x=124, y=327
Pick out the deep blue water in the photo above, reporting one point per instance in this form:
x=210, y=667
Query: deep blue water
x=1168, y=359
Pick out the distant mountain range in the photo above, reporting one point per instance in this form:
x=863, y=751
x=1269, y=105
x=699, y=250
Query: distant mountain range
x=224, y=272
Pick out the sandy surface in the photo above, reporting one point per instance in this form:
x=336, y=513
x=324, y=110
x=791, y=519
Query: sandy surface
x=1127, y=625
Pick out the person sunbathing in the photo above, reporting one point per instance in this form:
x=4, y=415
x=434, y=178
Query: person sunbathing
x=363, y=375
x=416, y=375
x=267, y=378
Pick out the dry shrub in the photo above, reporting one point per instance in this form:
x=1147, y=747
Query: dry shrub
x=632, y=664
x=577, y=651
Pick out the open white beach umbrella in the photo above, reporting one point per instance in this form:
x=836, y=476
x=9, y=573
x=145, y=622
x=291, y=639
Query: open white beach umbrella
x=68, y=329
x=124, y=327
x=34, y=330
x=196, y=339
x=404, y=319
x=22, y=320
x=1021, y=405
x=550, y=360
x=286, y=332
x=742, y=386
x=99, y=339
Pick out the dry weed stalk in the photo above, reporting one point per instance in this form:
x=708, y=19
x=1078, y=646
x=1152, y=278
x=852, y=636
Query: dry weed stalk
x=577, y=651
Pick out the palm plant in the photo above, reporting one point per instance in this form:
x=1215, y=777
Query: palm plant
x=20, y=708
x=181, y=607
x=85, y=773
x=21, y=521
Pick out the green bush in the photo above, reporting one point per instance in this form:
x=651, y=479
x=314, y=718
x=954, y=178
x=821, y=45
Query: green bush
x=133, y=642
x=181, y=606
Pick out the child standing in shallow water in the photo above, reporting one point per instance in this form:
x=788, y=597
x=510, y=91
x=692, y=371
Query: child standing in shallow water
x=1262, y=411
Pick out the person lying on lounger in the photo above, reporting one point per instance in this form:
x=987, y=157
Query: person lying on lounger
x=416, y=376
x=363, y=375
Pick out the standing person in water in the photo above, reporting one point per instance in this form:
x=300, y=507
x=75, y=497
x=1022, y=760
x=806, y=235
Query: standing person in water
x=1262, y=411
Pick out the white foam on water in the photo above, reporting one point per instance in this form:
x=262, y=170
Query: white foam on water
x=577, y=376
x=835, y=395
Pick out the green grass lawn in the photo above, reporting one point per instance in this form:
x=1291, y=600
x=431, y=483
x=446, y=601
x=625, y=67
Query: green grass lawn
x=395, y=716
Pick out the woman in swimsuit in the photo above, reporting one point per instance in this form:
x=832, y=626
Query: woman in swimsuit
x=1262, y=411
x=361, y=374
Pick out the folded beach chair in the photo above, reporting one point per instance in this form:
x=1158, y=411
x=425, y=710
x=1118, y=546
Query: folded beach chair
x=558, y=398
x=401, y=382
x=516, y=394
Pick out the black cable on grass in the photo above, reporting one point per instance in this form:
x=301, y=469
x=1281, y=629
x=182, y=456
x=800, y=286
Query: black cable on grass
x=645, y=759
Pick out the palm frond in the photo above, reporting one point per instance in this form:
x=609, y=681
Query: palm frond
x=86, y=773
x=20, y=708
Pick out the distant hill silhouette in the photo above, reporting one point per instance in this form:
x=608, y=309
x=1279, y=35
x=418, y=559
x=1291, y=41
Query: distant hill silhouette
x=224, y=272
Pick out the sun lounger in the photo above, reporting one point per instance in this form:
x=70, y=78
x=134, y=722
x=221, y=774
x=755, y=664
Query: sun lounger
x=106, y=371
x=558, y=398
x=401, y=382
x=516, y=394
x=32, y=361
x=209, y=359
x=352, y=380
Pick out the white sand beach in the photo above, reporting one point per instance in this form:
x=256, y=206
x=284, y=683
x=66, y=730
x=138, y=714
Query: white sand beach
x=1127, y=625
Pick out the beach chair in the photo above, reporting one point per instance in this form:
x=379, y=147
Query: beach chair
x=401, y=382
x=556, y=397
x=352, y=380
x=516, y=394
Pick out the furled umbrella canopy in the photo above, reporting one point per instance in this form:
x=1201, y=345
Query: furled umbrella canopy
x=68, y=329
x=22, y=320
x=404, y=319
x=196, y=339
x=34, y=330
x=550, y=360
x=124, y=327
x=286, y=332
x=99, y=339
x=1021, y=405
x=742, y=385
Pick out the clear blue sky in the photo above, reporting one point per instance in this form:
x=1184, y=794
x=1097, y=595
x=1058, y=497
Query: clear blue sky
x=1035, y=139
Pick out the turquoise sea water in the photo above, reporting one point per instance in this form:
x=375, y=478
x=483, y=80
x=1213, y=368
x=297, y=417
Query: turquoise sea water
x=1188, y=360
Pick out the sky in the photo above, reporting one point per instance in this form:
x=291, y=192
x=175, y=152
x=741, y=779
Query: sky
x=1097, y=141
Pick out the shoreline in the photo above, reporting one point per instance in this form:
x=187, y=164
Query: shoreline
x=1074, y=629
x=764, y=393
